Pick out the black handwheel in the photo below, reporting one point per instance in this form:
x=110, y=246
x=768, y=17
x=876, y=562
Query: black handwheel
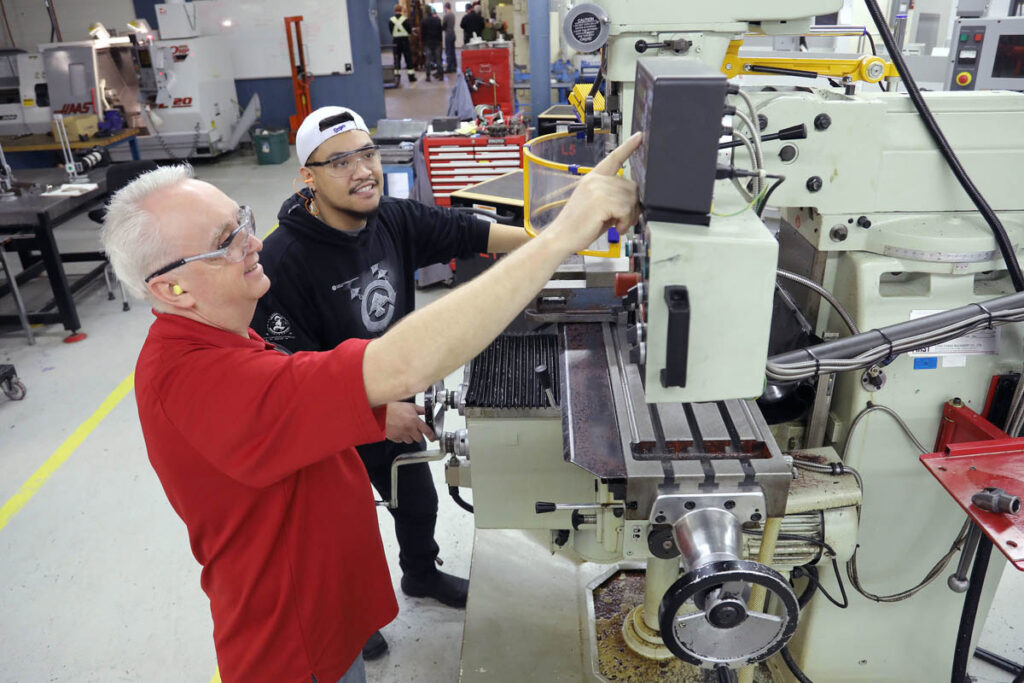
x=719, y=630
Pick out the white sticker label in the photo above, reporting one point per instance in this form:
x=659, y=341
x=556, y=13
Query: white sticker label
x=486, y=207
x=959, y=361
x=980, y=342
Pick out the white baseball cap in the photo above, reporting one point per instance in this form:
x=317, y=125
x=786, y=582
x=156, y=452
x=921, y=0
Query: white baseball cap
x=322, y=125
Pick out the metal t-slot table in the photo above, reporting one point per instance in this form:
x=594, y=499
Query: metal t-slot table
x=33, y=219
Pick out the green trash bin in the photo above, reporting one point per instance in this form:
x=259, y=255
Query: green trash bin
x=271, y=146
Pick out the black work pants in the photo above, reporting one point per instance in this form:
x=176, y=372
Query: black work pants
x=449, y=54
x=432, y=53
x=400, y=49
x=416, y=514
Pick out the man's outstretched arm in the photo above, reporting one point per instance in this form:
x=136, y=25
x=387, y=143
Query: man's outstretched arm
x=432, y=342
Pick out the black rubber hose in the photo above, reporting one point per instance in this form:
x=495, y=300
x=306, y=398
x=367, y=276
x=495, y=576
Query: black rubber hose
x=453, y=491
x=724, y=674
x=998, y=231
x=1019, y=678
x=787, y=657
x=970, y=611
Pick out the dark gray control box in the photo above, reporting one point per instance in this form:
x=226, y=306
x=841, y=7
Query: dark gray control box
x=678, y=104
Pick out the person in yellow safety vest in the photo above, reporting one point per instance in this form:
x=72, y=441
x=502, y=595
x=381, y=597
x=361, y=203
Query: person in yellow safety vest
x=400, y=30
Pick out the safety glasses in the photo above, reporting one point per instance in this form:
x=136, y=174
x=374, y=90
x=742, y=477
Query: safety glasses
x=344, y=165
x=234, y=249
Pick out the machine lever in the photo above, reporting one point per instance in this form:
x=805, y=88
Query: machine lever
x=544, y=378
x=757, y=68
x=541, y=507
x=797, y=132
x=957, y=581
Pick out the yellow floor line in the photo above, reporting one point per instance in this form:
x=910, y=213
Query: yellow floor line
x=53, y=463
x=216, y=677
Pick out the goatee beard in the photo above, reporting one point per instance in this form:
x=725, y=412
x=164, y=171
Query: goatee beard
x=358, y=215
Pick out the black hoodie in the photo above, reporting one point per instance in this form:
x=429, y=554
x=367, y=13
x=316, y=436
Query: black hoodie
x=327, y=286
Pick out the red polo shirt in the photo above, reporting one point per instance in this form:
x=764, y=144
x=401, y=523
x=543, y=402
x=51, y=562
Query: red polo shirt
x=254, y=449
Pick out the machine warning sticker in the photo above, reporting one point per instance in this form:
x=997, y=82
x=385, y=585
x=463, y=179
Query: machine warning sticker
x=586, y=28
x=981, y=342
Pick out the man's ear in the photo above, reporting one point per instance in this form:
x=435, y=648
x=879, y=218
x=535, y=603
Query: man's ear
x=171, y=294
x=307, y=177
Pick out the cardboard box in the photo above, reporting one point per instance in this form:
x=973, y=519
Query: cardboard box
x=77, y=126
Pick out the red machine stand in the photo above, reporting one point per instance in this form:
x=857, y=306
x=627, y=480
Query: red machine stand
x=971, y=455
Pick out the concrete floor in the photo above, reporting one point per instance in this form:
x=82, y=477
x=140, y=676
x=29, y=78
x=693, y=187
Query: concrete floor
x=97, y=582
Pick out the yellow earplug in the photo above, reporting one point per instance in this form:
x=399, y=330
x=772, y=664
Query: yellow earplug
x=177, y=289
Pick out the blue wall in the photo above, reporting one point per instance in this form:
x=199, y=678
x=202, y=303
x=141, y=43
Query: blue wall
x=363, y=89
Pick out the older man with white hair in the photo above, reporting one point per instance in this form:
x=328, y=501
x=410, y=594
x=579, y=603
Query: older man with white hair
x=255, y=448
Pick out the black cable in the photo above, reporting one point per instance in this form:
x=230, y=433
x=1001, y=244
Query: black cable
x=791, y=663
x=453, y=491
x=998, y=231
x=725, y=675
x=962, y=653
x=812, y=576
x=805, y=597
x=759, y=210
x=998, y=661
x=867, y=34
x=1019, y=678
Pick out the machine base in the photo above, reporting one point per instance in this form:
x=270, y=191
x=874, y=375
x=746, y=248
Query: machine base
x=531, y=617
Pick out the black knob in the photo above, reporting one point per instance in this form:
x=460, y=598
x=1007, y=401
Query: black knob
x=814, y=183
x=864, y=222
x=762, y=122
x=727, y=613
x=543, y=376
x=798, y=132
x=787, y=153
x=540, y=508
x=822, y=122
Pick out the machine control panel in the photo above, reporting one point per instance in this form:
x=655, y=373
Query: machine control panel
x=965, y=62
x=679, y=105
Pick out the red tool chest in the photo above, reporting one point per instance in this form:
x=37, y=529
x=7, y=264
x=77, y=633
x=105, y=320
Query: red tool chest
x=455, y=162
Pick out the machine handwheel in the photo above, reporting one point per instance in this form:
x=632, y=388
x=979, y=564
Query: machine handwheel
x=14, y=389
x=716, y=628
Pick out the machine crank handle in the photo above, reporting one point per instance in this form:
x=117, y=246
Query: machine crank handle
x=542, y=507
x=407, y=459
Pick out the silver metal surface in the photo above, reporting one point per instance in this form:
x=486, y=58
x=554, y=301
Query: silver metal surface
x=665, y=448
x=707, y=535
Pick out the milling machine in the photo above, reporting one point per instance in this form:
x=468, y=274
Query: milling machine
x=636, y=516
x=180, y=93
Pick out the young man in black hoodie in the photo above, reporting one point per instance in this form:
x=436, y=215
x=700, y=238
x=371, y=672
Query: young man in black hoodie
x=342, y=262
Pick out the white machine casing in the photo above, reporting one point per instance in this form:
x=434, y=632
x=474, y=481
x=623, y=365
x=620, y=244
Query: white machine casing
x=730, y=306
x=26, y=115
x=198, y=106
